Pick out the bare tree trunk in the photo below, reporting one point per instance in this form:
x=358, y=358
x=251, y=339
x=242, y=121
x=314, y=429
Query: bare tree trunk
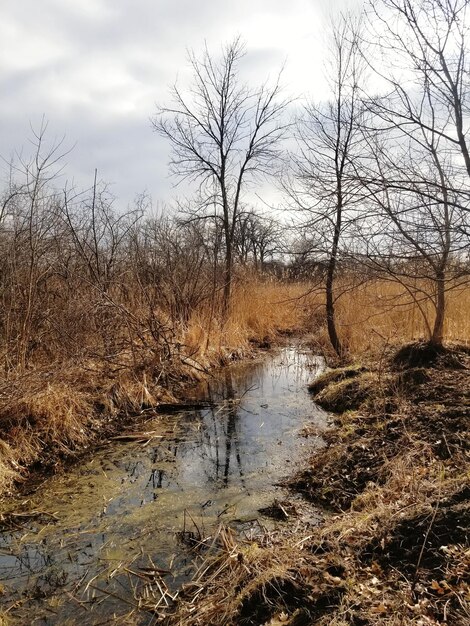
x=330, y=302
x=329, y=139
x=228, y=276
x=437, y=336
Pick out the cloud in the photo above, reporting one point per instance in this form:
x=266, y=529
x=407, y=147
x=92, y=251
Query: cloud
x=96, y=68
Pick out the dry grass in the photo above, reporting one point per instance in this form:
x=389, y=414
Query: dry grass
x=371, y=316
x=260, y=310
x=379, y=313
x=57, y=406
x=254, y=582
x=57, y=411
x=324, y=576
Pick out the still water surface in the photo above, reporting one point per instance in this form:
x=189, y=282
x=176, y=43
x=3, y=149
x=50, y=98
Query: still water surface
x=124, y=509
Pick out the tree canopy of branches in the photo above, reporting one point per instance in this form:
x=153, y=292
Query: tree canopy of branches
x=224, y=136
x=417, y=167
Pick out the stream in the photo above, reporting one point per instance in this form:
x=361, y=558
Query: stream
x=84, y=541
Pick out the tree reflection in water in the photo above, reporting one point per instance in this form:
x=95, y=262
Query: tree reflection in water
x=231, y=434
x=218, y=445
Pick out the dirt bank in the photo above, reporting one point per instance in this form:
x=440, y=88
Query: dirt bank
x=394, y=477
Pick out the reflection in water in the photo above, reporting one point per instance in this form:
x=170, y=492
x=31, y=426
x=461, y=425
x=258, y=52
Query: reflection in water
x=231, y=435
x=121, y=510
x=218, y=438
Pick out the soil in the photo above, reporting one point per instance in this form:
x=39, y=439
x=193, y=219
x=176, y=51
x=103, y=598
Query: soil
x=425, y=354
x=416, y=415
x=392, y=411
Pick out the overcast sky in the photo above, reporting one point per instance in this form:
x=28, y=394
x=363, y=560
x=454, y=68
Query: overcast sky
x=96, y=68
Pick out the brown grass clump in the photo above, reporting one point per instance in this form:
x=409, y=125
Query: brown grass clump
x=50, y=415
x=333, y=376
x=41, y=420
x=57, y=412
x=255, y=583
x=259, y=311
x=9, y=470
x=348, y=391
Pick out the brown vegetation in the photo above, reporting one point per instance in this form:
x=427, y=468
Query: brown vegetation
x=80, y=377
x=58, y=407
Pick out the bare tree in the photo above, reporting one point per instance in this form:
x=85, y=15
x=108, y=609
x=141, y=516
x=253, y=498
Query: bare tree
x=257, y=238
x=325, y=186
x=415, y=240
x=418, y=170
x=31, y=221
x=224, y=135
x=98, y=231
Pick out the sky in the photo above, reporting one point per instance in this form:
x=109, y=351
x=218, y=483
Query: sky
x=96, y=69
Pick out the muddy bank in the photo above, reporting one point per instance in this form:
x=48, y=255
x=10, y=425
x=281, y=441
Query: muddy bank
x=388, y=415
x=395, y=548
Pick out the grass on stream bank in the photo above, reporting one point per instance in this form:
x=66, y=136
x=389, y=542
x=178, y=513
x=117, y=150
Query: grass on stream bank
x=56, y=409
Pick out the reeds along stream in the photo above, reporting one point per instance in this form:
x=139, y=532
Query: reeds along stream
x=100, y=540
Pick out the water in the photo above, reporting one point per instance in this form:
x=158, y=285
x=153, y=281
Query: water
x=121, y=513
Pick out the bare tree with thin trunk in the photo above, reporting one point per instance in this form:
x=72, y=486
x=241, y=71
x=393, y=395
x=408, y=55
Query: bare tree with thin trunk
x=224, y=136
x=419, y=163
x=329, y=137
x=31, y=211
